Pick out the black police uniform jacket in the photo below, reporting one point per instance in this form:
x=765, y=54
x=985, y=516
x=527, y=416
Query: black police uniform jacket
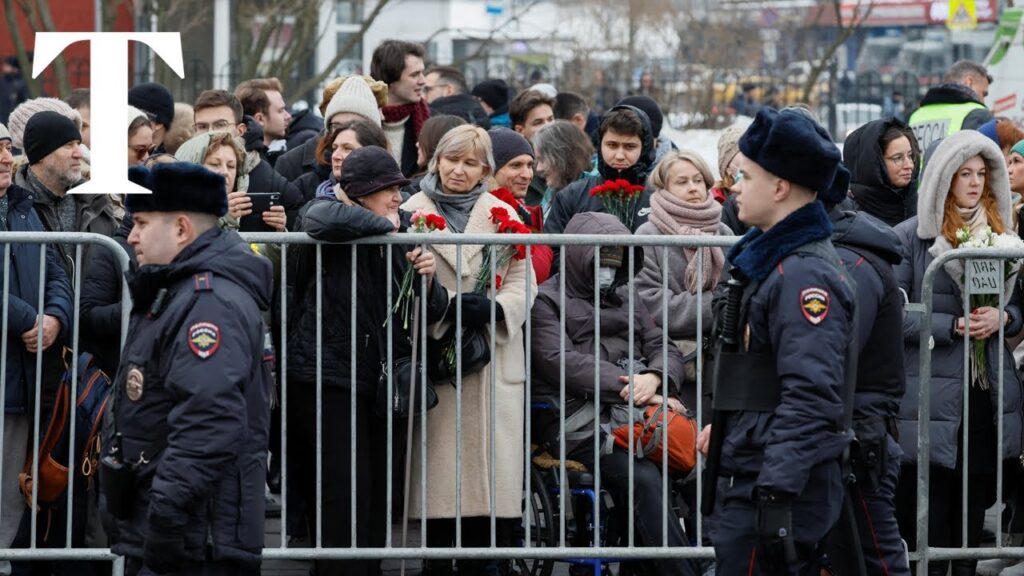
x=192, y=400
x=802, y=313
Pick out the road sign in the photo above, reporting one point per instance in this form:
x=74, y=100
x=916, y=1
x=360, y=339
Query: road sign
x=963, y=15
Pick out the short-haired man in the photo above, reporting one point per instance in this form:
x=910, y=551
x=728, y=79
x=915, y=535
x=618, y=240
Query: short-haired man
x=191, y=399
x=262, y=99
x=54, y=167
x=530, y=111
x=399, y=64
x=222, y=110
x=447, y=93
x=24, y=323
x=956, y=104
x=626, y=153
x=784, y=432
x=157, y=101
x=574, y=108
x=443, y=81
x=79, y=99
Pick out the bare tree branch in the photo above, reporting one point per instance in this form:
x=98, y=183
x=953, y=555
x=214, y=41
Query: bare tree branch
x=34, y=89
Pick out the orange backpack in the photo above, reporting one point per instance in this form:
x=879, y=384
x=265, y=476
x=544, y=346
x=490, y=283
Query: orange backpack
x=649, y=436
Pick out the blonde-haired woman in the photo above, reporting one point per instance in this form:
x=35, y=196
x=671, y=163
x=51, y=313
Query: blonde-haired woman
x=455, y=188
x=963, y=184
x=682, y=205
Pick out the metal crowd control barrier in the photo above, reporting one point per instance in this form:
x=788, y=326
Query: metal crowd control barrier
x=45, y=239
x=924, y=553
x=554, y=544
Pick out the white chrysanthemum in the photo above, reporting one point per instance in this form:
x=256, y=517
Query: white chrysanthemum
x=1007, y=241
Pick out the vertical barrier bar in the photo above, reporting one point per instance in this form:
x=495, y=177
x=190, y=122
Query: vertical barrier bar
x=923, y=429
x=528, y=431
x=74, y=394
x=353, y=489
x=632, y=395
x=41, y=305
x=699, y=408
x=597, y=389
x=664, y=385
x=423, y=420
x=563, y=482
x=3, y=355
x=284, y=395
x=458, y=396
x=492, y=460
x=966, y=399
x=999, y=405
x=388, y=270
x=319, y=394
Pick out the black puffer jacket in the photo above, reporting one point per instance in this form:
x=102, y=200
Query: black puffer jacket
x=870, y=188
x=300, y=167
x=332, y=221
x=580, y=370
x=575, y=198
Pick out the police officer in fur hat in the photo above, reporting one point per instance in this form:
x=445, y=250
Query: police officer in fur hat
x=185, y=456
x=784, y=328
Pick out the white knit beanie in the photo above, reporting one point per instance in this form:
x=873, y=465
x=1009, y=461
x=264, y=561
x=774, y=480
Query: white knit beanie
x=4, y=134
x=134, y=113
x=355, y=97
x=20, y=116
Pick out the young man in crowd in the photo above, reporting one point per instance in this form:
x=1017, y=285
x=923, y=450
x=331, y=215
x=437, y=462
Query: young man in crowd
x=400, y=65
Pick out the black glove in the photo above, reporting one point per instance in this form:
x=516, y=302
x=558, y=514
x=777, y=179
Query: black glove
x=253, y=135
x=164, y=550
x=476, y=310
x=776, y=549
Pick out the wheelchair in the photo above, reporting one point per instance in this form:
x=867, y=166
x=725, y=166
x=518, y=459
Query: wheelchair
x=542, y=511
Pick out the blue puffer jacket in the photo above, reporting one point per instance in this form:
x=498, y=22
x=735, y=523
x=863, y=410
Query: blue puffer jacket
x=23, y=302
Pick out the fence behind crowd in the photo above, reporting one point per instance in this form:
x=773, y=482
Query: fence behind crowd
x=565, y=510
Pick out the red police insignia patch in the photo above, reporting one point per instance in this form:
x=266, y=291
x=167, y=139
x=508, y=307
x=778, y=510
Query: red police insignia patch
x=204, y=339
x=814, y=304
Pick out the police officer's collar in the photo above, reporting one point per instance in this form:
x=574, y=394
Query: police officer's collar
x=757, y=253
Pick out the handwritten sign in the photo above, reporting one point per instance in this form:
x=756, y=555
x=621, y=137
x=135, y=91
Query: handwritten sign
x=983, y=276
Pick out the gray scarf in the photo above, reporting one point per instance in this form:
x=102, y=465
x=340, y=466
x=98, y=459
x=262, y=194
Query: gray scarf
x=455, y=208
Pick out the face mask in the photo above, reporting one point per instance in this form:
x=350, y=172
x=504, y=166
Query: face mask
x=605, y=277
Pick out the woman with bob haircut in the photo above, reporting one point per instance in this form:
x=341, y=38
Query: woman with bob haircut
x=456, y=188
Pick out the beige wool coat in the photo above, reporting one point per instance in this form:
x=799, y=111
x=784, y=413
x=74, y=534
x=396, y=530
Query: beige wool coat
x=509, y=390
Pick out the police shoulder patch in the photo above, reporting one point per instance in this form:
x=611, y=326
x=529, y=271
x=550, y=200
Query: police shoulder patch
x=814, y=304
x=204, y=339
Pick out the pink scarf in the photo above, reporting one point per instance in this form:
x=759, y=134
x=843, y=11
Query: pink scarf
x=674, y=217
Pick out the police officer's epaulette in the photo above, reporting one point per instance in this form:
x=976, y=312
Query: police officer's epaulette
x=203, y=282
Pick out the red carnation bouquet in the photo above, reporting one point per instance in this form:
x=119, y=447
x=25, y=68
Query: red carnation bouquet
x=619, y=198
x=503, y=254
x=421, y=222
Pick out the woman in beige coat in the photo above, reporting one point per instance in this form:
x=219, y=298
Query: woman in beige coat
x=455, y=187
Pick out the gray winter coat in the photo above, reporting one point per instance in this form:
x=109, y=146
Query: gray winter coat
x=917, y=236
x=682, y=305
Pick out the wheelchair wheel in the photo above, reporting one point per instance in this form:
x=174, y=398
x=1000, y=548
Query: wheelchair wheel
x=538, y=510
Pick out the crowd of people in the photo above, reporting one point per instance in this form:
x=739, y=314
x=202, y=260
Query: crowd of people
x=833, y=245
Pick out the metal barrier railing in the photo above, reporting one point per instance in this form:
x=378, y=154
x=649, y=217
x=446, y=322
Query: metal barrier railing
x=560, y=546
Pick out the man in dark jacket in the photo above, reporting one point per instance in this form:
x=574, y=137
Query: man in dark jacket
x=779, y=489
x=24, y=324
x=55, y=166
x=957, y=104
x=305, y=125
x=191, y=401
x=869, y=250
x=618, y=329
x=627, y=152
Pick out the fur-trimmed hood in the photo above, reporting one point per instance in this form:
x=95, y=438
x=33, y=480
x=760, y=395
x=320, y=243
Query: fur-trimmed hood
x=938, y=174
